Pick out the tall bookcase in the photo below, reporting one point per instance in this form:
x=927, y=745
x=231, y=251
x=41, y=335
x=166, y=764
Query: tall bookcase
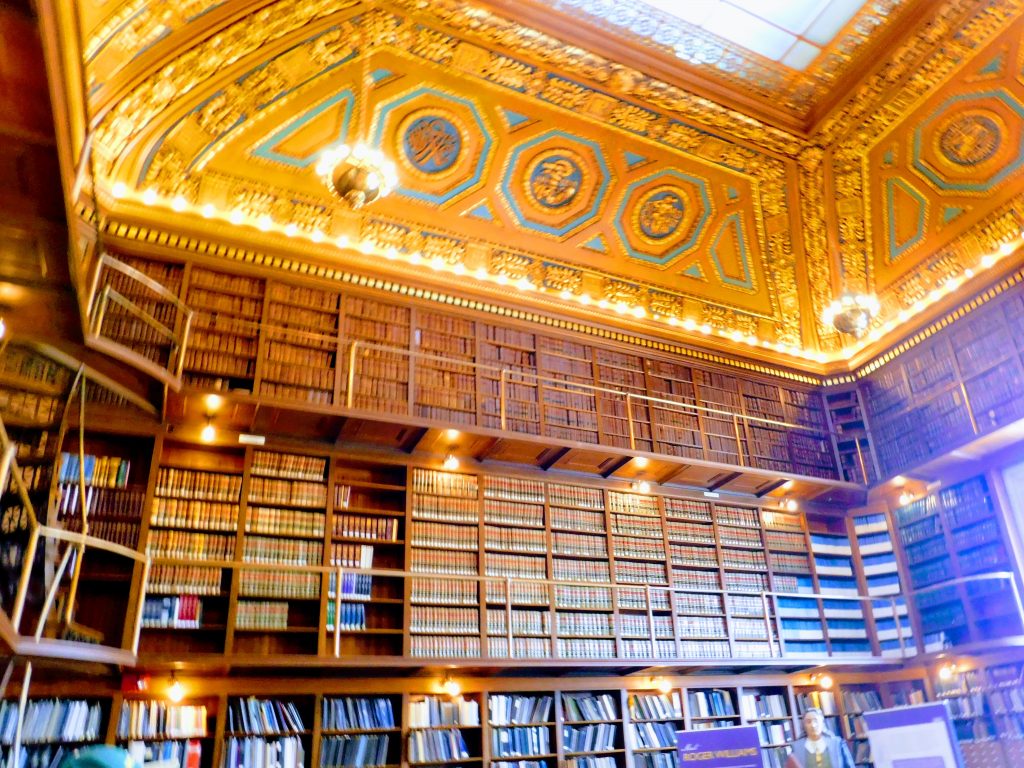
x=182, y=734
x=52, y=728
x=952, y=533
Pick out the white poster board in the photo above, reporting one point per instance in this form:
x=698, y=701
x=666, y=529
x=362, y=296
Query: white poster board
x=913, y=737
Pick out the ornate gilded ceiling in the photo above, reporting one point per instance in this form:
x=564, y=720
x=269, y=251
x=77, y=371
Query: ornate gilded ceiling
x=538, y=173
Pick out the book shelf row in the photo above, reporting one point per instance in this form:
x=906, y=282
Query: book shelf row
x=253, y=336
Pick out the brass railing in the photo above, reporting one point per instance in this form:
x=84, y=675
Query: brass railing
x=103, y=296
x=741, y=423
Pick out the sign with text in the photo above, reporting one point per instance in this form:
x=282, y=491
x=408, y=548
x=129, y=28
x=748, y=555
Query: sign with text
x=737, y=747
x=913, y=737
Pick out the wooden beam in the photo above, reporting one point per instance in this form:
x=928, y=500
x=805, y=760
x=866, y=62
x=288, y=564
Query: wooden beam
x=616, y=467
x=727, y=478
x=552, y=457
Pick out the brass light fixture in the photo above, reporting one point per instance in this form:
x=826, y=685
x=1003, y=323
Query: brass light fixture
x=358, y=173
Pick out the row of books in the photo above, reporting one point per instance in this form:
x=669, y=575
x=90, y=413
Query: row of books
x=99, y=471
x=434, y=746
x=105, y=502
x=301, y=493
x=284, y=522
x=518, y=742
x=155, y=719
x=192, y=579
x=195, y=484
x=172, y=754
x=362, y=750
x=447, y=484
x=196, y=514
x=510, y=709
x=358, y=713
x=432, y=711
x=263, y=716
x=583, y=707
x=176, y=612
x=513, y=513
x=51, y=720
x=256, y=752
x=654, y=735
x=365, y=527
x=190, y=546
x=598, y=737
x=263, y=549
x=262, y=614
x=302, y=586
x=289, y=466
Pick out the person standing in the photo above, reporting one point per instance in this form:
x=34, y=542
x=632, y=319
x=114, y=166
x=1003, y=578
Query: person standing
x=819, y=748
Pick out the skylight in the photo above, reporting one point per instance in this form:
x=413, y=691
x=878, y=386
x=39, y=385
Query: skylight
x=791, y=32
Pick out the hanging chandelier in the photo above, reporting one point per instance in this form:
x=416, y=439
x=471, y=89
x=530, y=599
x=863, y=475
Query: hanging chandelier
x=358, y=174
x=852, y=313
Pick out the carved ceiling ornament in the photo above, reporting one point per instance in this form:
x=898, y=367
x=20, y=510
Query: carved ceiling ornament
x=828, y=171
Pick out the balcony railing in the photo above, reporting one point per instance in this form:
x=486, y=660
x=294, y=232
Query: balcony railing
x=149, y=333
x=734, y=438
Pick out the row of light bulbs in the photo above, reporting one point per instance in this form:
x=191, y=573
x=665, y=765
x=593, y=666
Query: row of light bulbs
x=265, y=223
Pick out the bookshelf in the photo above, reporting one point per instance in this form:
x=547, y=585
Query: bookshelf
x=382, y=380
x=858, y=698
x=591, y=729
x=625, y=374
x=509, y=357
x=879, y=576
x=853, y=440
x=444, y=731
x=676, y=431
x=712, y=708
x=298, y=348
x=569, y=412
x=267, y=733
x=278, y=610
x=360, y=731
x=194, y=517
x=368, y=516
x=52, y=728
x=966, y=695
x=653, y=719
x=223, y=348
x=182, y=734
x=116, y=472
x=515, y=531
x=1005, y=690
x=444, y=540
x=33, y=394
x=522, y=730
x=723, y=437
x=768, y=709
x=949, y=534
x=846, y=625
x=585, y=616
x=445, y=390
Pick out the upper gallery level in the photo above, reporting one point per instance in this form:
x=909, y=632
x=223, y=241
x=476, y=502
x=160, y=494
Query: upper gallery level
x=544, y=171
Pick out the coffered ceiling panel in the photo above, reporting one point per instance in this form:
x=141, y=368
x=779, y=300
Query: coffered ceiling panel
x=537, y=169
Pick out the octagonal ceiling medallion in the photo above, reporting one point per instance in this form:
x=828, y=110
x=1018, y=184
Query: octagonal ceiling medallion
x=555, y=183
x=662, y=216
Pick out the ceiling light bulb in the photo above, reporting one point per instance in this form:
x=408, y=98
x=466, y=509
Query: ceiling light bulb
x=213, y=402
x=452, y=434
x=119, y=190
x=905, y=498
x=451, y=462
x=3, y=328
x=178, y=204
x=661, y=684
x=207, y=211
x=149, y=196
x=825, y=682
x=946, y=672
x=451, y=687
x=175, y=692
x=899, y=481
x=208, y=433
x=641, y=462
x=792, y=505
x=1007, y=248
x=643, y=486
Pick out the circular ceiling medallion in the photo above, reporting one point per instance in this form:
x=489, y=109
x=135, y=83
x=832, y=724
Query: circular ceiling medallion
x=659, y=213
x=431, y=141
x=970, y=138
x=553, y=178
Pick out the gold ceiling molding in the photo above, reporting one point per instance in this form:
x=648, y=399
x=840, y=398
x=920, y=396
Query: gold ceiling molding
x=771, y=82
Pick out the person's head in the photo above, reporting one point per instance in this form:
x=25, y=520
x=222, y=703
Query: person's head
x=814, y=723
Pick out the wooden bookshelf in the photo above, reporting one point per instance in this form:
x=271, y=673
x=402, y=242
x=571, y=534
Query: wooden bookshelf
x=368, y=509
x=445, y=390
x=443, y=731
x=261, y=731
x=363, y=731
x=222, y=350
x=522, y=731
x=946, y=535
x=769, y=709
x=853, y=440
x=151, y=729
x=591, y=728
x=652, y=721
x=381, y=380
x=53, y=728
